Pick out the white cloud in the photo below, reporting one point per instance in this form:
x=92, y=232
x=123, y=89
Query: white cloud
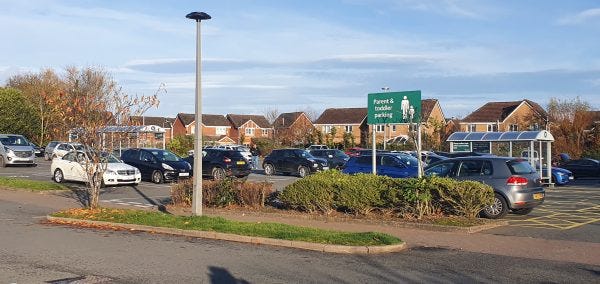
x=583, y=16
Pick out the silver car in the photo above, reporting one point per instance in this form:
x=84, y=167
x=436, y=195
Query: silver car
x=15, y=150
x=517, y=186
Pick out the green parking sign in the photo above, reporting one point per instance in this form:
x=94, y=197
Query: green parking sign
x=394, y=107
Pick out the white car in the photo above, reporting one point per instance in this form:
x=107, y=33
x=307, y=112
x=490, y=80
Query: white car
x=72, y=167
x=63, y=148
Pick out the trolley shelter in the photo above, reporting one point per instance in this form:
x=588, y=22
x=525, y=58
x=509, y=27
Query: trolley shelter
x=484, y=142
x=147, y=135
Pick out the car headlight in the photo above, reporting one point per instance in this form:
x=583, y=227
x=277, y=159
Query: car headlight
x=137, y=172
x=8, y=150
x=167, y=167
x=315, y=165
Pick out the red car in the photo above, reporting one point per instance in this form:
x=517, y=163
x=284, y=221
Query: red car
x=354, y=151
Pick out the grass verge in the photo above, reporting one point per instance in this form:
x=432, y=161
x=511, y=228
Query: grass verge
x=34, y=185
x=221, y=225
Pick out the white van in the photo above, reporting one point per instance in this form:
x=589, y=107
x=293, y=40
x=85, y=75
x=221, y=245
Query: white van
x=16, y=150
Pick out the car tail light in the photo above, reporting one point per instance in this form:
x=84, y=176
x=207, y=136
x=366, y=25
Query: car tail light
x=514, y=180
x=226, y=160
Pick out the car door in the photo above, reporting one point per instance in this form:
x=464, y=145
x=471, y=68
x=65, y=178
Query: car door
x=208, y=159
x=78, y=166
x=445, y=169
x=476, y=170
x=145, y=161
x=287, y=161
x=66, y=165
x=392, y=167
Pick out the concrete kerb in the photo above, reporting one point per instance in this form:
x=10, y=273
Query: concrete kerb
x=238, y=238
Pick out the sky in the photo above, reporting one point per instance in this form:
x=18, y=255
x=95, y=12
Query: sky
x=294, y=55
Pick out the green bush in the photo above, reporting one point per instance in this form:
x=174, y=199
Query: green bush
x=181, y=144
x=463, y=198
x=361, y=193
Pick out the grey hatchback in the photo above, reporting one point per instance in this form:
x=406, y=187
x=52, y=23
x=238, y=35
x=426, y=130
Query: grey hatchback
x=517, y=186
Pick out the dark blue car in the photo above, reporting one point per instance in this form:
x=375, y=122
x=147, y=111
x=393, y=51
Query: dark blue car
x=388, y=164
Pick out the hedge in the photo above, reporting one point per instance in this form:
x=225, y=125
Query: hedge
x=359, y=194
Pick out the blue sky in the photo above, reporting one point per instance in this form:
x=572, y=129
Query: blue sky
x=294, y=55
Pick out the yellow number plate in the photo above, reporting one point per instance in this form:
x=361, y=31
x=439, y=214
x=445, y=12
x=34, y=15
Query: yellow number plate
x=538, y=195
x=240, y=162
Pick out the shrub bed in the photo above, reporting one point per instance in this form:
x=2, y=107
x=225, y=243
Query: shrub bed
x=222, y=193
x=361, y=193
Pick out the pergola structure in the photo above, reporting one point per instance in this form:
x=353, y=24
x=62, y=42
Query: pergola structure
x=481, y=142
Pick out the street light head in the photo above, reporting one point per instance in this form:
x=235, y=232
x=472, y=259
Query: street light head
x=198, y=16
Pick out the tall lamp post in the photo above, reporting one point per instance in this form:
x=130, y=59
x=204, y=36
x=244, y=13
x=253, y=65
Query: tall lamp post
x=197, y=193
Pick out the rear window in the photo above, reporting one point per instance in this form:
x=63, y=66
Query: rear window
x=520, y=167
x=233, y=154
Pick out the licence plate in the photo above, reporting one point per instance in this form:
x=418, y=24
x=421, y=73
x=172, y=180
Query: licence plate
x=538, y=195
x=325, y=168
x=240, y=162
x=184, y=174
x=571, y=178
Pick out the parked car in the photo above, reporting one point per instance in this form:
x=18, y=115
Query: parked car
x=461, y=154
x=354, y=151
x=560, y=176
x=157, y=165
x=219, y=164
x=63, y=148
x=49, y=149
x=316, y=147
x=396, y=165
x=15, y=150
x=583, y=167
x=39, y=151
x=428, y=157
x=517, y=186
x=335, y=158
x=245, y=151
x=72, y=167
x=293, y=161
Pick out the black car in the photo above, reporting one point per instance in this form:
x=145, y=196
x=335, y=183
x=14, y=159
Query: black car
x=221, y=163
x=157, y=165
x=39, y=151
x=336, y=158
x=296, y=161
x=583, y=167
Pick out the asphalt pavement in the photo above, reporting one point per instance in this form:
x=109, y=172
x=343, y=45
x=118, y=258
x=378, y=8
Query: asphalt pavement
x=34, y=252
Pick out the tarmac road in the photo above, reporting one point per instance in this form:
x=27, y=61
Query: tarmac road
x=32, y=252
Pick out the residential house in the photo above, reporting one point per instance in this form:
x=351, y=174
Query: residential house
x=245, y=127
x=152, y=139
x=433, y=123
x=215, y=128
x=338, y=121
x=292, y=128
x=506, y=116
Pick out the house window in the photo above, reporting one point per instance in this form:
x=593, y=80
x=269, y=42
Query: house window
x=492, y=127
x=394, y=128
x=249, y=131
x=193, y=129
x=534, y=127
x=514, y=127
x=326, y=128
x=265, y=132
x=221, y=131
x=471, y=128
x=348, y=128
x=379, y=127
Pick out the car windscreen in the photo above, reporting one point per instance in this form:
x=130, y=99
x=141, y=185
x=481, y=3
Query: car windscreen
x=110, y=158
x=520, y=167
x=408, y=160
x=165, y=156
x=233, y=154
x=14, y=140
x=303, y=154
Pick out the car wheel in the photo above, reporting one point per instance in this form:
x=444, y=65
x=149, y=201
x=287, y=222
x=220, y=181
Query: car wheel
x=157, y=177
x=59, y=176
x=218, y=174
x=303, y=171
x=498, y=209
x=269, y=169
x=523, y=211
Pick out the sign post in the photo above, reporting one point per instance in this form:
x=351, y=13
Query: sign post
x=395, y=107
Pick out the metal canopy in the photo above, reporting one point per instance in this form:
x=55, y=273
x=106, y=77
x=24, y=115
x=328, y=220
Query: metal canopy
x=511, y=136
x=133, y=129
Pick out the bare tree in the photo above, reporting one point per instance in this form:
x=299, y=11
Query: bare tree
x=271, y=114
x=569, y=122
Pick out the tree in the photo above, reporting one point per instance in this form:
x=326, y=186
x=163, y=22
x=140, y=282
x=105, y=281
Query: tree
x=181, y=144
x=18, y=116
x=569, y=122
x=89, y=102
x=41, y=89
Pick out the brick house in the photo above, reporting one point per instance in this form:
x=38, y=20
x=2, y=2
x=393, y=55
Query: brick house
x=344, y=120
x=148, y=139
x=506, y=116
x=215, y=128
x=432, y=121
x=244, y=127
x=292, y=128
